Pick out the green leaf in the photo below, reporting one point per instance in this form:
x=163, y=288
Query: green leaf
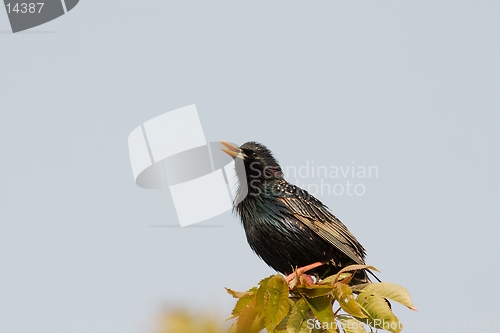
x=239, y=294
x=233, y=328
x=343, y=294
x=309, y=308
x=265, y=280
x=241, y=304
x=388, y=290
x=351, y=325
x=322, y=309
x=313, y=291
x=277, y=304
x=277, y=330
x=283, y=324
x=337, y=277
x=354, y=268
x=298, y=317
x=249, y=320
x=359, y=287
x=379, y=313
x=262, y=296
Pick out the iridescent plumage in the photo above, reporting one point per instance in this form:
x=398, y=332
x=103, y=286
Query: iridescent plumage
x=285, y=225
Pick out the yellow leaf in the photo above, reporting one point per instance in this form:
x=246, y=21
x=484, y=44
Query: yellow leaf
x=343, y=294
x=388, y=290
x=249, y=320
x=379, y=313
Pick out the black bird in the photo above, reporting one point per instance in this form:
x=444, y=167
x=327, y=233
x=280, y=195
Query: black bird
x=285, y=225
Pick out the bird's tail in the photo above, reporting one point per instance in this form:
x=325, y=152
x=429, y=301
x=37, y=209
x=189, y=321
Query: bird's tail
x=362, y=276
x=373, y=274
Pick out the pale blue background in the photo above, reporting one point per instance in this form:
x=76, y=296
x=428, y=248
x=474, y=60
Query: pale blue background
x=411, y=87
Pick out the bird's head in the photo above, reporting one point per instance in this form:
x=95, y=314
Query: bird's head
x=259, y=162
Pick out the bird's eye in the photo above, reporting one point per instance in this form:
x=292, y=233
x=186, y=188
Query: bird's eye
x=254, y=154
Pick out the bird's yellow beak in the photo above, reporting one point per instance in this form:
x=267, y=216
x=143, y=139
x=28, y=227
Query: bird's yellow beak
x=232, y=150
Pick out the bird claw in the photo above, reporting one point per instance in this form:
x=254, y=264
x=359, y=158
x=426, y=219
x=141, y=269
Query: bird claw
x=298, y=277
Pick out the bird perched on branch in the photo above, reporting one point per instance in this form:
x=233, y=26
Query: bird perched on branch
x=285, y=225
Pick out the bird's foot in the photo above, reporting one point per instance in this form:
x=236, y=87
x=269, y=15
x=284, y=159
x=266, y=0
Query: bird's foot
x=298, y=277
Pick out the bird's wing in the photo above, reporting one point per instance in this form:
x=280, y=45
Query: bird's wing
x=310, y=211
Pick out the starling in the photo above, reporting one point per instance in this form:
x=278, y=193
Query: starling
x=285, y=225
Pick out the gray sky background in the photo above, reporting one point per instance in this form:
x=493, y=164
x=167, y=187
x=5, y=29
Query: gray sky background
x=410, y=87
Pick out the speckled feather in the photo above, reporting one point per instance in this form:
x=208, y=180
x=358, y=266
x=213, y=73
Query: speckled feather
x=288, y=227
